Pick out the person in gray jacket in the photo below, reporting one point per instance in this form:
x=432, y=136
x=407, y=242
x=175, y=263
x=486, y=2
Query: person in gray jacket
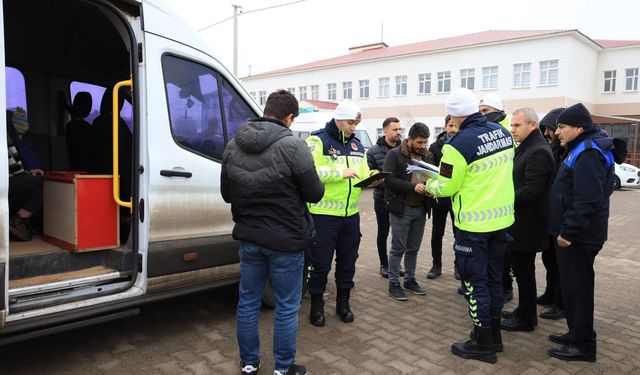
x=268, y=175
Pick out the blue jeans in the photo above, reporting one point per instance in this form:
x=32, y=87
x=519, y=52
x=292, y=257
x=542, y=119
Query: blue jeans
x=257, y=263
x=406, y=236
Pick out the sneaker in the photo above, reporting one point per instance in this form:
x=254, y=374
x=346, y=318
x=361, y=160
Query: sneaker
x=397, y=293
x=293, y=370
x=249, y=368
x=19, y=228
x=434, y=272
x=413, y=286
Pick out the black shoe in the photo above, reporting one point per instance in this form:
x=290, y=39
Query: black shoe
x=553, y=313
x=573, y=353
x=247, y=368
x=434, y=272
x=508, y=295
x=560, y=338
x=384, y=271
x=316, y=314
x=545, y=298
x=507, y=314
x=342, y=306
x=456, y=274
x=414, y=287
x=401, y=273
x=19, y=228
x=479, y=347
x=397, y=293
x=495, y=331
x=516, y=324
x=293, y=370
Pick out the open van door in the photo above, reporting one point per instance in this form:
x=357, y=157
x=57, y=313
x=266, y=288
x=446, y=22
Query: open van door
x=4, y=187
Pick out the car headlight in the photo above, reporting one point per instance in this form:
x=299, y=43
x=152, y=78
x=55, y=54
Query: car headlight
x=627, y=169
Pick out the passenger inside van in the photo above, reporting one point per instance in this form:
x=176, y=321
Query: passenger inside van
x=25, y=185
x=78, y=133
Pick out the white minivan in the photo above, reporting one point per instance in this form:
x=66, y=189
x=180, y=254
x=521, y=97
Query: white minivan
x=78, y=75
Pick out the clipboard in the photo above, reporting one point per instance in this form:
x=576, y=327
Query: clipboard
x=368, y=181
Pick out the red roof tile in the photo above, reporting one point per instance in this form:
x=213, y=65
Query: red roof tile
x=608, y=43
x=320, y=104
x=485, y=37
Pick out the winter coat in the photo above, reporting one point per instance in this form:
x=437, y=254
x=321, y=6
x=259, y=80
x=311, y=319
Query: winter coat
x=267, y=176
x=442, y=203
x=375, y=159
x=533, y=171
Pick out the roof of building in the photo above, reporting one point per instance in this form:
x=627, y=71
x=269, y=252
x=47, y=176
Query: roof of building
x=460, y=41
x=320, y=104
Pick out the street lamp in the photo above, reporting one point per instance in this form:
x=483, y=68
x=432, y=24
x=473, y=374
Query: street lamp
x=236, y=9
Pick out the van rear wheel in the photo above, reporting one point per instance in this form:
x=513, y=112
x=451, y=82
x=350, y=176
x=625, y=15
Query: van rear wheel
x=616, y=183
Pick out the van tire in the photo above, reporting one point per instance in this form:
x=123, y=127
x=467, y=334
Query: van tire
x=616, y=183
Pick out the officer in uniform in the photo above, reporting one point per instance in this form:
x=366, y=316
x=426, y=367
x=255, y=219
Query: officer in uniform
x=476, y=171
x=341, y=163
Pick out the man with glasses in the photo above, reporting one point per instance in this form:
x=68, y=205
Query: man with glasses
x=341, y=163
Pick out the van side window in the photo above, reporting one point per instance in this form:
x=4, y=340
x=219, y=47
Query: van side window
x=97, y=92
x=16, y=97
x=194, y=106
x=236, y=110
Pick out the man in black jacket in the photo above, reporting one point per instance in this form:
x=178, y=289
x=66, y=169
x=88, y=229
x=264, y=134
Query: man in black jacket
x=375, y=159
x=267, y=176
x=552, y=295
x=533, y=169
x=579, y=201
x=408, y=207
x=442, y=206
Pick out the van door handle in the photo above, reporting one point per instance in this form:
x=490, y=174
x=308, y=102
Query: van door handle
x=172, y=173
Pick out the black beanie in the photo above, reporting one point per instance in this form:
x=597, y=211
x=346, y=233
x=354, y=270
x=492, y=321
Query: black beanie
x=577, y=115
x=550, y=120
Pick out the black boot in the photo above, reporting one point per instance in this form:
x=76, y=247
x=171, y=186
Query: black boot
x=342, y=306
x=316, y=315
x=479, y=347
x=497, y=335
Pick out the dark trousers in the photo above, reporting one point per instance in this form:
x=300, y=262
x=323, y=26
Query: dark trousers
x=577, y=277
x=25, y=192
x=507, y=281
x=439, y=218
x=339, y=234
x=382, y=217
x=524, y=268
x=553, y=276
x=479, y=257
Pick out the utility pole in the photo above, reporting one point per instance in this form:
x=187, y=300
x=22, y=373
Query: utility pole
x=235, y=38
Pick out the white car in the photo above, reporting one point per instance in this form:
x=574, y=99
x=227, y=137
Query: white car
x=627, y=175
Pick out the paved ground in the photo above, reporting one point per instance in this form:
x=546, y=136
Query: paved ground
x=196, y=334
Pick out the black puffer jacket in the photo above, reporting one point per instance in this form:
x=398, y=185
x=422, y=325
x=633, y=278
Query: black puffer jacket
x=375, y=159
x=267, y=176
x=442, y=203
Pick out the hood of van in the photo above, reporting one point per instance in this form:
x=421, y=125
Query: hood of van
x=256, y=135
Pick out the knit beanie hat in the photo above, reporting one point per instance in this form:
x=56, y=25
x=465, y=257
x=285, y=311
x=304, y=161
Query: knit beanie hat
x=347, y=110
x=461, y=102
x=493, y=101
x=577, y=115
x=550, y=120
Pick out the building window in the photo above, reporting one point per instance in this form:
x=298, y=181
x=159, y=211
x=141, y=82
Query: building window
x=292, y=90
x=331, y=91
x=424, y=83
x=632, y=79
x=401, y=85
x=384, y=86
x=347, y=91
x=263, y=97
x=364, y=88
x=521, y=75
x=444, y=81
x=549, y=72
x=315, y=92
x=303, y=92
x=609, y=81
x=467, y=78
x=490, y=77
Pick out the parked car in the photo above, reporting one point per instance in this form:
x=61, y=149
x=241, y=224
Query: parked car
x=627, y=175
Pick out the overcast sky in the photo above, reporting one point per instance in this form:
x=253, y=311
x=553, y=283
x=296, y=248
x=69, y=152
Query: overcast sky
x=317, y=29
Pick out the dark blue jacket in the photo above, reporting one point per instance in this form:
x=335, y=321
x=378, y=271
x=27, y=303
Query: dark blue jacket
x=375, y=159
x=579, y=196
